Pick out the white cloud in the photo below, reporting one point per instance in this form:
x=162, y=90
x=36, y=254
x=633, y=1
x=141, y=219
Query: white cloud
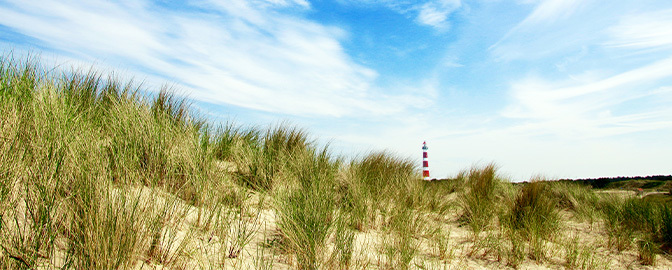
x=285, y=3
x=594, y=107
x=561, y=28
x=648, y=30
x=584, y=37
x=238, y=52
x=436, y=13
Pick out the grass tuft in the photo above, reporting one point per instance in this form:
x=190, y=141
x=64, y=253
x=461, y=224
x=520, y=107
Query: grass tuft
x=479, y=199
x=305, y=208
x=533, y=212
x=261, y=163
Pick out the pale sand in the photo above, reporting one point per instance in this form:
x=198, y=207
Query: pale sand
x=203, y=250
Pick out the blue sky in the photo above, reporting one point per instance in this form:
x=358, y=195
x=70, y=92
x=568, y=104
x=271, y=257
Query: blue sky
x=559, y=88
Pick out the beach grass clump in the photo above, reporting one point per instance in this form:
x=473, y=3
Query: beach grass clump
x=647, y=250
x=666, y=226
x=243, y=229
x=620, y=236
x=575, y=197
x=261, y=162
x=383, y=173
x=107, y=228
x=166, y=105
x=229, y=139
x=158, y=146
x=533, y=211
x=641, y=215
x=533, y=215
x=479, y=199
x=403, y=230
x=19, y=79
x=305, y=206
x=29, y=222
x=76, y=149
x=441, y=244
x=581, y=256
x=432, y=196
x=39, y=137
x=344, y=242
x=638, y=220
x=625, y=220
x=168, y=245
x=371, y=183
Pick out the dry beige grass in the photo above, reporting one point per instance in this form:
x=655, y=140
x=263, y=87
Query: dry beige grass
x=93, y=177
x=202, y=247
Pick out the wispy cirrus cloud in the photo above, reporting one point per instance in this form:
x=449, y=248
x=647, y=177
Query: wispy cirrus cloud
x=649, y=30
x=582, y=96
x=594, y=106
x=553, y=26
x=301, y=3
x=556, y=27
x=433, y=13
x=237, y=52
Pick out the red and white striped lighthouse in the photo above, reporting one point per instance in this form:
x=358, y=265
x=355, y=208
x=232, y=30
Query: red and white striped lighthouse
x=425, y=162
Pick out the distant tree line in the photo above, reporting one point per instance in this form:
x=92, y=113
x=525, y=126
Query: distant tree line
x=604, y=181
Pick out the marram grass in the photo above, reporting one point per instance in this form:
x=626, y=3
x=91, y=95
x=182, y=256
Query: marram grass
x=96, y=173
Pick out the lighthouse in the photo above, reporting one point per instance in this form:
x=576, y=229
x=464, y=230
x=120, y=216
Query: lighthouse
x=425, y=163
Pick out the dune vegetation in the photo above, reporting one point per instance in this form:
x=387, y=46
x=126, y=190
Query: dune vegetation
x=97, y=173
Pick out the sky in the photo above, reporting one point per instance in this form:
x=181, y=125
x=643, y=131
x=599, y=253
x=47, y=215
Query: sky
x=551, y=88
